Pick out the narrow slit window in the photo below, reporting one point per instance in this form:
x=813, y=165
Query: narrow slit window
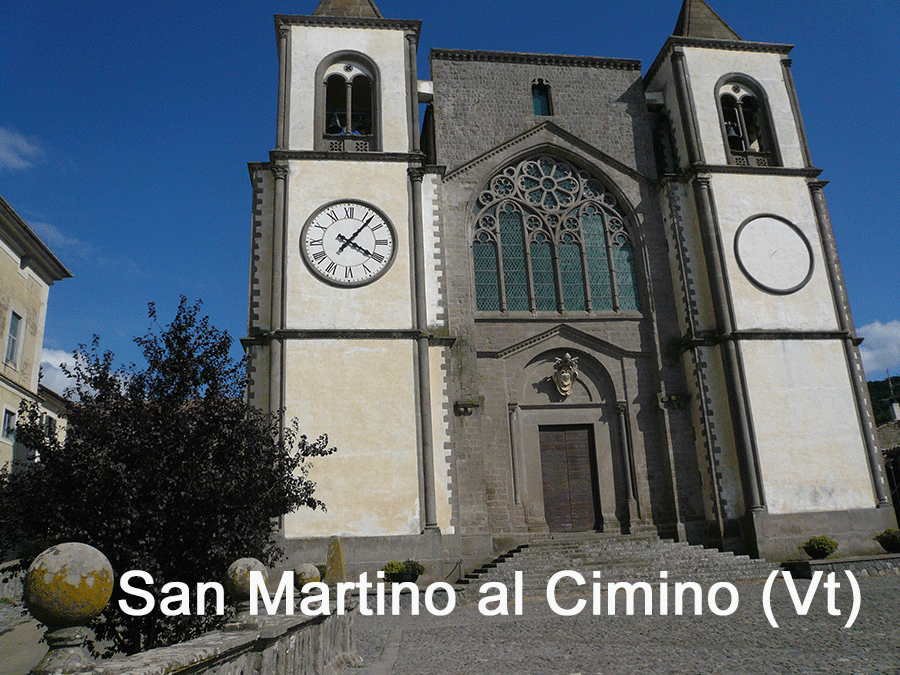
x=540, y=94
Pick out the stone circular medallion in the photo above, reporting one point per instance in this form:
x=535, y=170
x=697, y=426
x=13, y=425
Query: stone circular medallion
x=773, y=254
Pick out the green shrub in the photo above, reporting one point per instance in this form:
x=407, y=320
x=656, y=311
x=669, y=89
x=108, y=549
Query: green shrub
x=405, y=567
x=393, y=567
x=413, y=567
x=889, y=540
x=819, y=547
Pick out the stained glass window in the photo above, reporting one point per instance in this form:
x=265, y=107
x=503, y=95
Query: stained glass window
x=559, y=231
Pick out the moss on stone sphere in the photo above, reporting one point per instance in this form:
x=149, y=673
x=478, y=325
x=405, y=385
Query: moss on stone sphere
x=68, y=585
x=237, y=578
x=304, y=574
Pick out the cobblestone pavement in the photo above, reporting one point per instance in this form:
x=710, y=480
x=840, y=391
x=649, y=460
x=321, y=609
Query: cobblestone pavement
x=541, y=642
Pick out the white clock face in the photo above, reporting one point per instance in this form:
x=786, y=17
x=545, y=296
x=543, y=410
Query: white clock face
x=348, y=243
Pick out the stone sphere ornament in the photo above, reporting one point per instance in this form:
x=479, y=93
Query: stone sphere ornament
x=68, y=585
x=304, y=574
x=237, y=578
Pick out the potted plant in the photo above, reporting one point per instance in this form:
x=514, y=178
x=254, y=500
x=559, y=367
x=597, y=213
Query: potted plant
x=889, y=540
x=819, y=548
x=408, y=570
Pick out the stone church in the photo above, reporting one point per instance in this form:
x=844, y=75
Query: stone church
x=565, y=297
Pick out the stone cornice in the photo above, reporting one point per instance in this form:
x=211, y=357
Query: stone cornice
x=28, y=246
x=710, y=43
x=535, y=59
x=712, y=339
x=266, y=338
x=570, y=334
x=557, y=131
x=698, y=170
x=322, y=155
x=349, y=22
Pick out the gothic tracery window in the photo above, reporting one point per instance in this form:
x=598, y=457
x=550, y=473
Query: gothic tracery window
x=550, y=238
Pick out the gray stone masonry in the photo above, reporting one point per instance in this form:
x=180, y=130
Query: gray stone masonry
x=600, y=123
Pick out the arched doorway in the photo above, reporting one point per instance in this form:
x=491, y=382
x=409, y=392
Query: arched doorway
x=571, y=462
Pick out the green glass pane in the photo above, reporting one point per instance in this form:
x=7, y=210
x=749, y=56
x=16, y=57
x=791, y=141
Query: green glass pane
x=571, y=276
x=597, y=262
x=626, y=277
x=513, y=250
x=541, y=95
x=542, y=273
x=487, y=284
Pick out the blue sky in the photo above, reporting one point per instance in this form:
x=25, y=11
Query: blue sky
x=125, y=129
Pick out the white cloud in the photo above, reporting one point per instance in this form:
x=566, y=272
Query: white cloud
x=54, y=238
x=16, y=151
x=881, y=349
x=52, y=375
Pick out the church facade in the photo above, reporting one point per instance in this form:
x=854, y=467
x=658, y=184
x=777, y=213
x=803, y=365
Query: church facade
x=570, y=298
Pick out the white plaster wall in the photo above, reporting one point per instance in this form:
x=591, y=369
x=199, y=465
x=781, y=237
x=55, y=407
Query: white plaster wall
x=362, y=394
x=706, y=66
x=439, y=359
x=383, y=304
x=811, y=451
x=739, y=197
x=386, y=47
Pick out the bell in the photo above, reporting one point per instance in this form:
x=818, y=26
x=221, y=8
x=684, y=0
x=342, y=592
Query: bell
x=730, y=132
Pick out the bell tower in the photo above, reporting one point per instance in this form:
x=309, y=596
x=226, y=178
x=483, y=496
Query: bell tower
x=785, y=432
x=338, y=331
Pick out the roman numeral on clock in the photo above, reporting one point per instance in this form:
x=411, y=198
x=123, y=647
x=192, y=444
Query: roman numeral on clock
x=331, y=268
x=348, y=212
x=319, y=256
x=377, y=257
x=381, y=242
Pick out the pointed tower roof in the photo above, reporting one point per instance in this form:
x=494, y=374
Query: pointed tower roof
x=348, y=8
x=698, y=20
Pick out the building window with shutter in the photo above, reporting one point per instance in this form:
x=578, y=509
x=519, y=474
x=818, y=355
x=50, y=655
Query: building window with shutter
x=9, y=425
x=12, y=341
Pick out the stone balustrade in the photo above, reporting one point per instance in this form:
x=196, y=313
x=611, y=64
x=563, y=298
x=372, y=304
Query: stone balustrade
x=68, y=585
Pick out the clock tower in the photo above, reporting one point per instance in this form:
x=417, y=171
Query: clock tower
x=343, y=272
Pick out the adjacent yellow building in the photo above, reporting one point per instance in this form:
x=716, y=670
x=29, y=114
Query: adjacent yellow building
x=27, y=270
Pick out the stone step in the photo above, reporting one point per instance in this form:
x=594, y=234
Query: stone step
x=617, y=558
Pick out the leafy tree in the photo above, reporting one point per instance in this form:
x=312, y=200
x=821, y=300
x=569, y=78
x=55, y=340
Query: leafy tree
x=883, y=393
x=164, y=469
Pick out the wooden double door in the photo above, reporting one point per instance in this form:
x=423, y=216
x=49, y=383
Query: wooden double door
x=568, y=461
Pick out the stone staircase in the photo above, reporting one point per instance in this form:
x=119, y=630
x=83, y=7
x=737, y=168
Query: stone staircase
x=618, y=559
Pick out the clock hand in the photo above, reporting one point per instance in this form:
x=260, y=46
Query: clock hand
x=353, y=245
x=350, y=240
